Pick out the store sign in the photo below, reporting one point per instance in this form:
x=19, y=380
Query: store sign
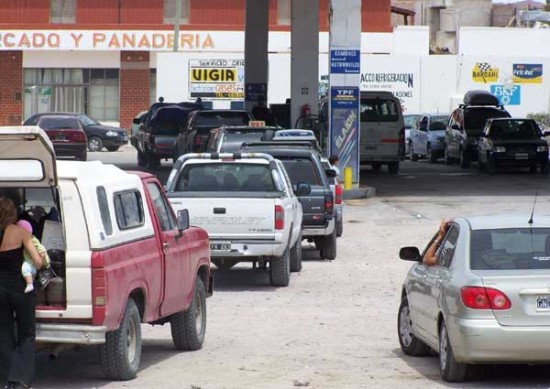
x=104, y=40
x=485, y=73
x=400, y=84
x=507, y=95
x=527, y=73
x=345, y=61
x=216, y=79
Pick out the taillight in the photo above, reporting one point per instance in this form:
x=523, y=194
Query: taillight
x=197, y=140
x=78, y=136
x=477, y=297
x=339, y=192
x=279, y=217
x=329, y=205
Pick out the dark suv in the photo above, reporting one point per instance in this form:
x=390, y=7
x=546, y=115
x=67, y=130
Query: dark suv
x=466, y=125
x=514, y=143
x=304, y=165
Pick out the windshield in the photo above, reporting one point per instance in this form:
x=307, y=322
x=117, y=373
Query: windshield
x=512, y=248
x=226, y=177
x=87, y=121
x=475, y=118
x=59, y=123
x=301, y=170
x=410, y=120
x=379, y=110
x=514, y=129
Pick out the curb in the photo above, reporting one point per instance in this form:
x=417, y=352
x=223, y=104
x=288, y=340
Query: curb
x=365, y=192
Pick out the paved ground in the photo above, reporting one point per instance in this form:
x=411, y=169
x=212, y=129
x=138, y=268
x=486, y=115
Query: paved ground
x=335, y=325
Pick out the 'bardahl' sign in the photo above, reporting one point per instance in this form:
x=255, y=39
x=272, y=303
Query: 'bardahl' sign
x=104, y=40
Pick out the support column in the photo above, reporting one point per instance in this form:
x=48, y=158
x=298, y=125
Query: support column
x=256, y=41
x=304, y=74
x=345, y=77
x=135, y=84
x=11, y=88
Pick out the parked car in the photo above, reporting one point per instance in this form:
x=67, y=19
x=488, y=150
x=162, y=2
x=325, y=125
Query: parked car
x=194, y=136
x=486, y=301
x=228, y=139
x=67, y=135
x=98, y=135
x=122, y=256
x=512, y=143
x=466, y=125
x=409, y=120
x=427, y=137
x=304, y=165
x=248, y=206
x=158, y=130
x=382, y=139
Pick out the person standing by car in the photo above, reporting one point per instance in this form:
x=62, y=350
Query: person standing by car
x=17, y=356
x=430, y=257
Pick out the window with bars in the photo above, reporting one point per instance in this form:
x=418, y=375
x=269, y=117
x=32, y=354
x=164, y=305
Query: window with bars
x=170, y=11
x=62, y=11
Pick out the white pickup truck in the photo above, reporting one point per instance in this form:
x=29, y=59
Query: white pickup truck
x=248, y=206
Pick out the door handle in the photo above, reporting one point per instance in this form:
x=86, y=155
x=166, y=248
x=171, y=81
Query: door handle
x=165, y=245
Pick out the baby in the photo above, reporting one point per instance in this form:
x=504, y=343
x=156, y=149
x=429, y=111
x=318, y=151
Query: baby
x=28, y=269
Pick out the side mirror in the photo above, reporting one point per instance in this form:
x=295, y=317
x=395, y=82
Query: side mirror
x=136, y=121
x=331, y=173
x=409, y=254
x=302, y=189
x=183, y=219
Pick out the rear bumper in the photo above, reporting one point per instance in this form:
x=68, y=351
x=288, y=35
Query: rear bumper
x=311, y=231
x=486, y=341
x=69, y=149
x=114, y=141
x=244, y=250
x=510, y=159
x=70, y=333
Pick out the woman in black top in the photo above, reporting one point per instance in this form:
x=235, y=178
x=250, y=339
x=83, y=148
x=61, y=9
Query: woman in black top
x=17, y=359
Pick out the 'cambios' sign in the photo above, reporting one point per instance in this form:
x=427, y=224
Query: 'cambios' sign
x=104, y=40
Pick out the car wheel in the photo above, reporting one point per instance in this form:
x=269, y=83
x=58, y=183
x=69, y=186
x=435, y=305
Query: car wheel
x=412, y=156
x=83, y=156
x=112, y=148
x=296, y=255
x=448, y=159
x=492, y=165
x=450, y=369
x=224, y=264
x=545, y=168
x=121, y=353
x=95, y=144
x=189, y=327
x=393, y=167
x=464, y=160
x=409, y=343
x=432, y=157
x=153, y=162
x=339, y=228
x=328, y=246
x=279, y=269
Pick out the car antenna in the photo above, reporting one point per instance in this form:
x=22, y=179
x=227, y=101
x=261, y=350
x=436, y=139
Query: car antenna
x=533, y=210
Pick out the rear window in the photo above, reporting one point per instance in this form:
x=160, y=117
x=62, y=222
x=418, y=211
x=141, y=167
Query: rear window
x=301, y=170
x=226, y=177
x=218, y=119
x=514, y=129
x=129, y=210
x=233, y=142
x=59, y=123
x=379, y=110
x=513, y=248
x=475, y=118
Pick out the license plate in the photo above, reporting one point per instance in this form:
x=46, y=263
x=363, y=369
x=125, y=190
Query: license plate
x=60, y=137
x=522, y=156
x=220, y=246
x=543, y=303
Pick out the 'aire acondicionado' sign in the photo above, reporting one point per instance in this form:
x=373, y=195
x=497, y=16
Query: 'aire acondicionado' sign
x=216, y=78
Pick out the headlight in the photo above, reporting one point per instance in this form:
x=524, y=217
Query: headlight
x=111, y=133
x=499, y=149
x=541, y=149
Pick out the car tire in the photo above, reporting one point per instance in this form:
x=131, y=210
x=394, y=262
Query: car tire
x=279, y=269
x=464, y=160
x=339, y=228
x=448, y=159
x=492, y=166
x=95, y=144
x=142, y=159
x=112, y=148
x=296, y=256
x=120, y=355
x=449, y=368
x=328, y=246
x=432, y=158
x=188, y=327
x=83, y=156
x=545, y=168
x=153, y=161
x=409, y=343
x=412, y=156
x=393, y=168
x=223, y=264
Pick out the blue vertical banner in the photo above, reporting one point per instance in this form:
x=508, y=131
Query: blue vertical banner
x=344, y=124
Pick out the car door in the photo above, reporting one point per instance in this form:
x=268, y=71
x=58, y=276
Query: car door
x=437, y=279
x=174, y=249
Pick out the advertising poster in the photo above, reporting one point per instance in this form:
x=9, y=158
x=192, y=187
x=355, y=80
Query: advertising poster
x=221, y=79
x=507, y=95
x=344, y=122
x=484, y=72
x=524, y=73
x=345, y=61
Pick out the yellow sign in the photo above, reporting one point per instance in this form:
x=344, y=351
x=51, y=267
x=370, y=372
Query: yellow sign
x=216, y=75
x=256, y=123
x=483, y=72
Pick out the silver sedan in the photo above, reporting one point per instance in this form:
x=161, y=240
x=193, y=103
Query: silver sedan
x=487, y=300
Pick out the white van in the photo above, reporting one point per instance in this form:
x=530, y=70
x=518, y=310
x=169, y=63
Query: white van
x=382, y=130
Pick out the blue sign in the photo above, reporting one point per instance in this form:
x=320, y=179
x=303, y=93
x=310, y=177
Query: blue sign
x=255, y=90
x=507, y=95
x=344, y=127
x=345, y=61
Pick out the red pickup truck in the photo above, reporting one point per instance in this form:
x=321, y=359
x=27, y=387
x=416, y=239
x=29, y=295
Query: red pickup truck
x=121, y=254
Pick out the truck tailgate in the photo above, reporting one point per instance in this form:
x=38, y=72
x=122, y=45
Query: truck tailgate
x=313, y=206
x=230, y=218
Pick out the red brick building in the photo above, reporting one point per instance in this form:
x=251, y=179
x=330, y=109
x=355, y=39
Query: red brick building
x=93, y=56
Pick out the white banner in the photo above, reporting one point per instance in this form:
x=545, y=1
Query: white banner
x=220, y=78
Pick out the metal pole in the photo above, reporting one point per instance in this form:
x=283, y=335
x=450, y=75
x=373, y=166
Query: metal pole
x=177, y=25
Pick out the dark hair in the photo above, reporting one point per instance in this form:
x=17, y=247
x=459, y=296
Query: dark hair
x=8, y=213
x=333, y=158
